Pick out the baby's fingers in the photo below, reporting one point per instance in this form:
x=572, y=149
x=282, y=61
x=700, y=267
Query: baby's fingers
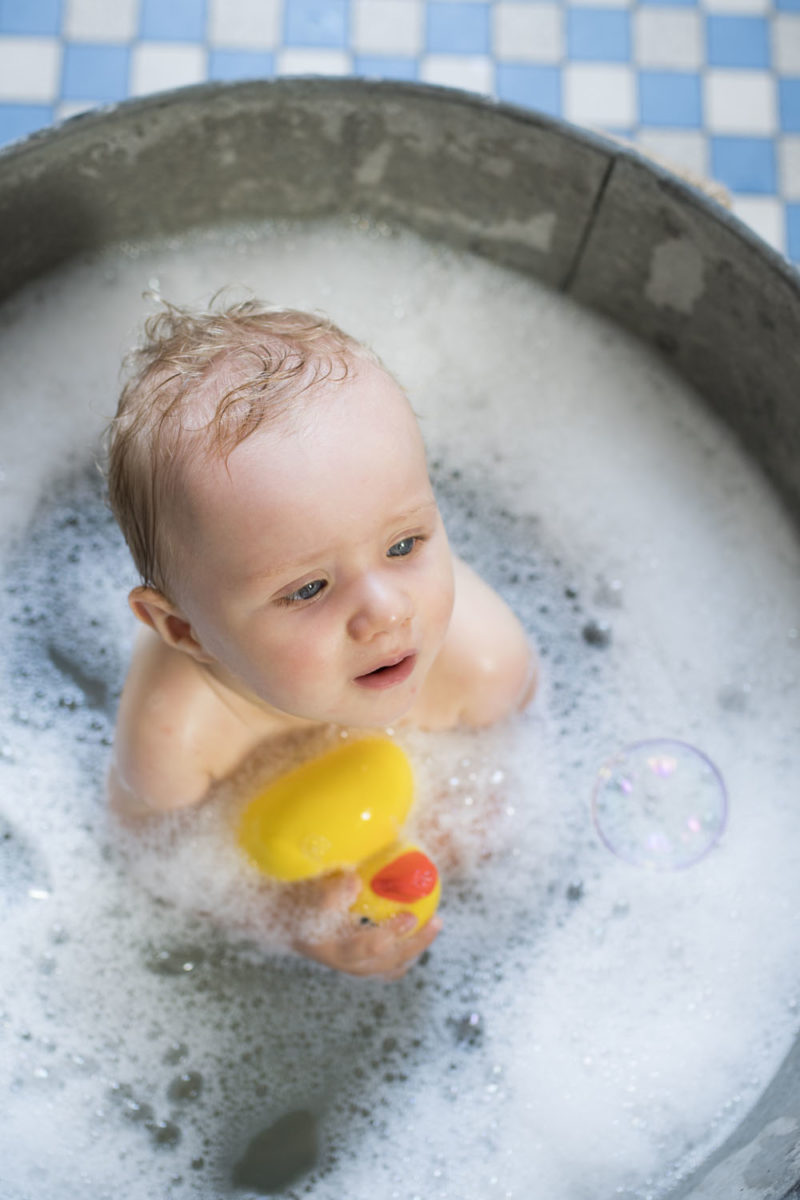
x=390, y=950
x=419, y=941
x=320, y=907
x=337, y=892
x=325, y=894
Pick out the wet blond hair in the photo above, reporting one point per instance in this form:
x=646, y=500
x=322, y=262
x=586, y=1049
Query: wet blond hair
x=199, y=383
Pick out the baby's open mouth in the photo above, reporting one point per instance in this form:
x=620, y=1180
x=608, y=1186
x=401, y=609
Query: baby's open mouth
x=389, y=674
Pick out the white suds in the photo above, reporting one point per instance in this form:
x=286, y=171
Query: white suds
x=581, y=1028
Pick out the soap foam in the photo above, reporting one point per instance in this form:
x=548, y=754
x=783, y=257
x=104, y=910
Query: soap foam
x=582, y=1027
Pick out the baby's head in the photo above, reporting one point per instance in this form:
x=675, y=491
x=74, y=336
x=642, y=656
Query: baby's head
x=200, y=383
x=270, y=479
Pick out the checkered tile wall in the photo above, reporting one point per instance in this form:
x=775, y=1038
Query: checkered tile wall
x=712, y=85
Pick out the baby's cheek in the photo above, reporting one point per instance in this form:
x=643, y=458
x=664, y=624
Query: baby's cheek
x=307, y=664
x=441, y=606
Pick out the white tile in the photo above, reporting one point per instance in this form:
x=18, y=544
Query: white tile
x=101, y=20
x=670, y=38
x=246, y=24
x=314, y=62
x=528, y=32
x=740, y=102
x=387, y=27
x=786, y=43
x=72, y=108
x=738, y=7
x=765, y=216
x=599, y=95
x=157, y=66
x=29, y=69
x=618, y=4
x=789, y=166
x=473, y=72
x=684, y=151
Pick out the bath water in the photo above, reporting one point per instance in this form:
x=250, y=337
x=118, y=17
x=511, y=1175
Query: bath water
x=583, y=1027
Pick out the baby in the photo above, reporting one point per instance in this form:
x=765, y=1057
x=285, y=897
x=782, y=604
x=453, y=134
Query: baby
x=270, y=479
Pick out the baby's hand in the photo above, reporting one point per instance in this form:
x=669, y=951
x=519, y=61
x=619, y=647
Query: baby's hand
x=346, y=943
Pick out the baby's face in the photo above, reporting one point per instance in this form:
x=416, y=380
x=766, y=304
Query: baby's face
x=315, y=571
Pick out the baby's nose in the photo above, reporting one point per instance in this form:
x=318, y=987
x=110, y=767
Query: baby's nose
x=381, y=608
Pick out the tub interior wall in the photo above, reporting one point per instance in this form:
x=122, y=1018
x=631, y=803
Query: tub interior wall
x=573, y=211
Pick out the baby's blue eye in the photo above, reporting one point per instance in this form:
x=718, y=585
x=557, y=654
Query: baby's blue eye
x=401, y=548
x=307, y=591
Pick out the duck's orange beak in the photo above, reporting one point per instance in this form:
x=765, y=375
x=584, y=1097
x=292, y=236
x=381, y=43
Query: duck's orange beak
x=405, y=879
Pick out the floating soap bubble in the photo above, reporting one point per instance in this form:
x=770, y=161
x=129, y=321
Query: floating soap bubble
x=660, y=804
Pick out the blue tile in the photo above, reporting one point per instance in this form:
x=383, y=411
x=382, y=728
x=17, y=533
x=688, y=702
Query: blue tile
x=457, y=27
x=240, y=64
x=793, y=232
x=18, y=120
x=787, y=5
x=173, y=20
x=317, y=23
x=30, y=16
x=531, y=86
x=744, y=164
x=670, y=98
x=379, y=66
x=599, y=34
x=95, y=72
x=789, y=104
x=734, y=41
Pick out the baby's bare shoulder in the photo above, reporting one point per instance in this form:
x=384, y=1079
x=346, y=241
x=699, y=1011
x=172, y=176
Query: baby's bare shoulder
x=486, y=668
x=170, y=734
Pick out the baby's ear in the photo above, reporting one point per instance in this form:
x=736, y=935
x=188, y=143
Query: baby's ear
x=152, y=608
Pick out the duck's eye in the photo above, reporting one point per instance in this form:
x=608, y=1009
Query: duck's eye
x=401, y=548
x=306, y=592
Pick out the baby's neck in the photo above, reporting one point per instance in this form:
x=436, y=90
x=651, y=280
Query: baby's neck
x=250, y=710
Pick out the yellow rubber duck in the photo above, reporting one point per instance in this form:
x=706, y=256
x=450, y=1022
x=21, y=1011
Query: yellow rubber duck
x=346, y=810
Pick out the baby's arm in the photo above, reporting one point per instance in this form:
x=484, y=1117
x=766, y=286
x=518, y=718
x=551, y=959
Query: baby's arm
x=175, y=739
x=486, y=669
x=163, y=755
